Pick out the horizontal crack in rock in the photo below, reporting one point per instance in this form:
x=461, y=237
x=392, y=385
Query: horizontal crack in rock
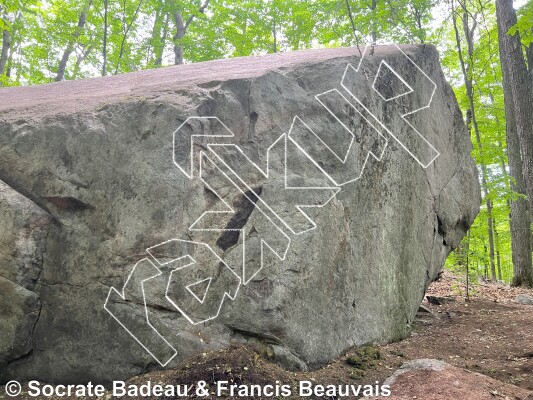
x=69, y=203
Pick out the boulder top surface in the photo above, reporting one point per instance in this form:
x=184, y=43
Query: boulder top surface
x=88, y=94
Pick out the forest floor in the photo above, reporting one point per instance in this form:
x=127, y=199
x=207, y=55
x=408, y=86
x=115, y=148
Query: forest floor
x=490, y=334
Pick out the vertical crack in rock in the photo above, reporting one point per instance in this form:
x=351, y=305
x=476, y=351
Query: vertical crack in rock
x=37, y=281
x=253, y=120
x=441, y=231
x=244, y=206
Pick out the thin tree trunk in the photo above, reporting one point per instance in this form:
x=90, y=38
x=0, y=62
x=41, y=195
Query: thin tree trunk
x=520, y=84
x=125, y=35
x=520, y=216
x=11, y=44
x=178, y=37
x=13, y=48
x=468, y=266
x=104, y=48
x=181, y=30
x=275, y=34
x=159, y=51
x=79, y=60
x=418, y=20
x=470, y=94
x=70, y=46
x=6, y=43
x=529, y=56
x=499, y=265
x=354, y=29
x=501, y=155
x=497, y=250
x=374, y=33
x=156, y=29
x=158, y=39
x=485, y=266
x=490, y=222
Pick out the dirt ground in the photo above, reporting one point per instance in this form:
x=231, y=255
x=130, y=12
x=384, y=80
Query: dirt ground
x=489, y=334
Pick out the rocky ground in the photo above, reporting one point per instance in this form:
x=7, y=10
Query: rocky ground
x=486, y=343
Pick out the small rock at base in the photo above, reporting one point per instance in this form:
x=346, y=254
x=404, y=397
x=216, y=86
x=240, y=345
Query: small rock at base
x=524, y=299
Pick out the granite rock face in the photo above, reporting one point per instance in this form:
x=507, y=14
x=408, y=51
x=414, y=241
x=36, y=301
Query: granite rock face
x=113, y=261
x=23, y=238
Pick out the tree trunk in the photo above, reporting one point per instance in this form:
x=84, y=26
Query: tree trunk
x=181, y=30
x=158, y=37
x=520, y=215
x=374, y=33
x=81, y=58
x=156, y=29
x=529, y=56
x=70, y=46
x=468, y=266
x=497, y=249
x=158, y=52
x=470, y=94
x=352, y=22
x=13, y=48
x=520, y=86
x=104, y=48
x=275, y=35
x=490, y=223
x=6, y=43
x=499, y=265
x=126, y=29
x=485, y=267
x=178, y=36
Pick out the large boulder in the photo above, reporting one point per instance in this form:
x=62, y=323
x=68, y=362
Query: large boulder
x=149, y=258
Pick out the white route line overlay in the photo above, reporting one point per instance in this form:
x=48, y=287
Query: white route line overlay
x=403, y=94
x=264, y=243
x=383, y=62
x=192, y=262
x=266, y=174
x=230, y=210
x=122, y=295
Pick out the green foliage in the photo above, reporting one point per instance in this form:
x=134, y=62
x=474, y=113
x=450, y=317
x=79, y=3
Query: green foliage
x=143, y=33
x=484, y=69
x=524, y=25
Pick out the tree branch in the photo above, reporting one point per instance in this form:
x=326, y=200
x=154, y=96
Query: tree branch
x=126, y=31
x=201, y=10
x=354, y=29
